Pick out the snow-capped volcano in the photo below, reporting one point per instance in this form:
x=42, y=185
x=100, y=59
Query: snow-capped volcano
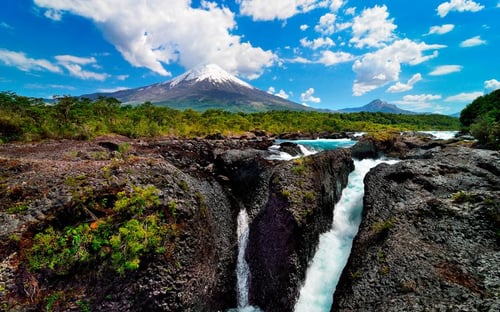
x=212, y=73
x=204, y=87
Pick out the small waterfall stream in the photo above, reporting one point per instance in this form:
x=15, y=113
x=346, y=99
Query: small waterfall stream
x=242, y=270
x=335, y=245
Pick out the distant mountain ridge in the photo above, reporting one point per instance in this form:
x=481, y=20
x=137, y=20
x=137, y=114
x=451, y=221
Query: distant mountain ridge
x=378, y=106
x=204, y=87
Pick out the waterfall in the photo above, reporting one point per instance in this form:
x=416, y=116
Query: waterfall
x=335, y=245
x=242, y=269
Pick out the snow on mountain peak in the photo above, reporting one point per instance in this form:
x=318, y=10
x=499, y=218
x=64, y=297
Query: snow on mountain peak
x=210, y=72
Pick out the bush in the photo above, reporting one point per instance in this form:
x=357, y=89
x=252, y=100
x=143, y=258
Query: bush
x=383, y=227
x=138, y=201
x=114, y=241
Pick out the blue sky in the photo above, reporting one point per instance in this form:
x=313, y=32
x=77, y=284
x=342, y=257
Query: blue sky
x=426, y=56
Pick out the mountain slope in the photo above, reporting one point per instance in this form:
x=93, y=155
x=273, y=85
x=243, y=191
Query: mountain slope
x=378, y=106
x=205, y=87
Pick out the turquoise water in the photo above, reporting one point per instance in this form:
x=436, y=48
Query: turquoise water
x=322, y=144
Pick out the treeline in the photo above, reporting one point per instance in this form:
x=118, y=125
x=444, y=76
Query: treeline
x=482, y=119
x=30, y=119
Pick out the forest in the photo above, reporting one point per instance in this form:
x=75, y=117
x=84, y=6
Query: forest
x=482, y=119
x=29, y=119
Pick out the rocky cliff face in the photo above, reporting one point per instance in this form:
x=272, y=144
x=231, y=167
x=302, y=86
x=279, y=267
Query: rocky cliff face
x=202, y=185
x=429, y=237
x=285, y=230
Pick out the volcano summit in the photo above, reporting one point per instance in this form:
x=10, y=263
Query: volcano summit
x=204, y=87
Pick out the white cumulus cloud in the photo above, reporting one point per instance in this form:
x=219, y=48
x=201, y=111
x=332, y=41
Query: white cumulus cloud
x=441, y=30
x=445, y=70
x=326, y=25
x=422, y=97
x=25, y=63
x=74, y=66
x=403, y=87
x=472, y=42
x=308, y=96
x=420, y=102
x=464, y=97
x=156, y=33
x=336, y=5
x=265, y=10
x=300, y=60
x=304, y=27
x=350, y=11
x=330, y=58
x=75, y=59
x=53, y=15
x=373, y=28
x=376, y=69
x=492, y=84
x=317, y=43
x=459, y=6
x=282, y=93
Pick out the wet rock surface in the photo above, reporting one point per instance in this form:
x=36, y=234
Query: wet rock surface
x=429, y=237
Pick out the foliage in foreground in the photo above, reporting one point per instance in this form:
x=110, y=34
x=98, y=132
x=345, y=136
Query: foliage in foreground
x=30, y=119
x=136, y=227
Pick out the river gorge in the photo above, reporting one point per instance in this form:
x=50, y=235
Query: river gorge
x=251, y=231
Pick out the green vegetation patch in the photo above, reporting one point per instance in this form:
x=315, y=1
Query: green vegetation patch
x=29, y=119
x=482, y=119
x=137, y=227
x=464, y=197
x=383, y=227
x=18, y=208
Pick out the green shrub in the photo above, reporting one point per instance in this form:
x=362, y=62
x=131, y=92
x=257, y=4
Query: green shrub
x=119, y=241
x=309, y=196
x=19, y=208
x=463, y=197
x=286, y=193
x=382, y=227
x=138, y=201
x=299, y=169
x=134, y=239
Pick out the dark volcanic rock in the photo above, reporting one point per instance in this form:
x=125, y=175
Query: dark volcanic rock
x=405, y=145
x=429, y=237
x=208, y=182
x=285, y=232
x=290, y=148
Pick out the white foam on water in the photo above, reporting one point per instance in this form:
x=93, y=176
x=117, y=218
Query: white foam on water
x=335, y=245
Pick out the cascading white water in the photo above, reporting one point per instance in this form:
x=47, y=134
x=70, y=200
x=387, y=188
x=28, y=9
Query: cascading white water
x=242, y=270
x=335, y=245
